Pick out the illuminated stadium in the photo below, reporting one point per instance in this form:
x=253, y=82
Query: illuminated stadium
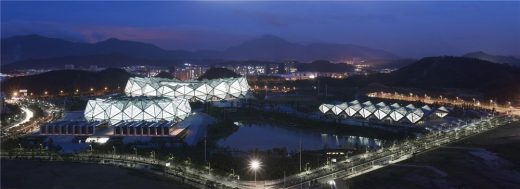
x=381, y=111
x=205, y=90
x=157, y=99
x=150, y=109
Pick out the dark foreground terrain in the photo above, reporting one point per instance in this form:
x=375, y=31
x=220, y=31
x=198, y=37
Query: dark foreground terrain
x=64, y=175
x=490, y=160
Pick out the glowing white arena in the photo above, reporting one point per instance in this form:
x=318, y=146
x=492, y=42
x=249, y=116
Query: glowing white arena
x=205, y=90
x=151, y=109
x=381, y=111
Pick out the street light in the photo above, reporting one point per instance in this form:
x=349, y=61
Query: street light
x=254, y=165
x=114, y=150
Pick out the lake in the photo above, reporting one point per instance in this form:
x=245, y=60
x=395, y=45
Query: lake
x=265, y=136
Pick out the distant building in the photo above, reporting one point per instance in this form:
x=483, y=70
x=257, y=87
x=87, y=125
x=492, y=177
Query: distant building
x=312, y=75
x=93, y=68
x=290, y=67
x=189, y=72
x=2, y=103
x=145, y=70
x=69, y=66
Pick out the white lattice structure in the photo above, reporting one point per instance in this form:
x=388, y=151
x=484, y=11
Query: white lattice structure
x=325, y=108
x=381, y=111
x=205, y=90
x=120, y=109
x=398, y=113
x=441, y=112
x=415, y=115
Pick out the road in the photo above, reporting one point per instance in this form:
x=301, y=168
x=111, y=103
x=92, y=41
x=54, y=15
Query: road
x=491, y=105
x=28, y=116
x=31, y=122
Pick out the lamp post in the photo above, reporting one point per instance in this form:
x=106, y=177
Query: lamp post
x=254, y=165
x=135, y=151
x=114, y=151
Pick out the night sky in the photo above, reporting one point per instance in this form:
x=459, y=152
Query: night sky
x=408, y=29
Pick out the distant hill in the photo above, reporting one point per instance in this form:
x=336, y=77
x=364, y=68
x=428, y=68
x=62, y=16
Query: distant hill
x=245, y=62
x=324, y=66
x=499, y=81
x=68, y=80
x=272, y=48
x=454, y=72
x=265, y=48
x=166, y=75
x=216, y=73
x=101, y=60
x=511, y=60
x=19, y=48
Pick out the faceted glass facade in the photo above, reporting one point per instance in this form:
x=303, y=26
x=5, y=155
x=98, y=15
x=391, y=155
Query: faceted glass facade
x=119, y=109
x=206, y=90
x=156, y=99
x=381, y=111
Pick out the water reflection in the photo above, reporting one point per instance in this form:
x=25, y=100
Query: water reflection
x=267, y=136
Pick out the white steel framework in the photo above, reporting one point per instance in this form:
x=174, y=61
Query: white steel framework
x=205, y=90
x=120, y=109
x=381, y=111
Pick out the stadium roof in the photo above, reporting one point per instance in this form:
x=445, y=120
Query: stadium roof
x=205, y=90
x=122, y=108
x=395, y=112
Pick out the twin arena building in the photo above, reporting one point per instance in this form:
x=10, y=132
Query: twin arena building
x=157, y=99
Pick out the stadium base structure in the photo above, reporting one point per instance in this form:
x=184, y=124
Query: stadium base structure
x=77, y=128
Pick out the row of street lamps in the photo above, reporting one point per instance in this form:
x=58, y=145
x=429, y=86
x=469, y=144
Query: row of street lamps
x=63, y=92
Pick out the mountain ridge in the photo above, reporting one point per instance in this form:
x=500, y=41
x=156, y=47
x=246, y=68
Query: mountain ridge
x=266, y=47
x=511, y=60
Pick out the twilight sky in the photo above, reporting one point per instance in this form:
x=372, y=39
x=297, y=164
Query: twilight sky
x=408, y=29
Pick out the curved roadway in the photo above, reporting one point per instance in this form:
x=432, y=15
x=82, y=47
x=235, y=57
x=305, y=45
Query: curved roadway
x=28, y=116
